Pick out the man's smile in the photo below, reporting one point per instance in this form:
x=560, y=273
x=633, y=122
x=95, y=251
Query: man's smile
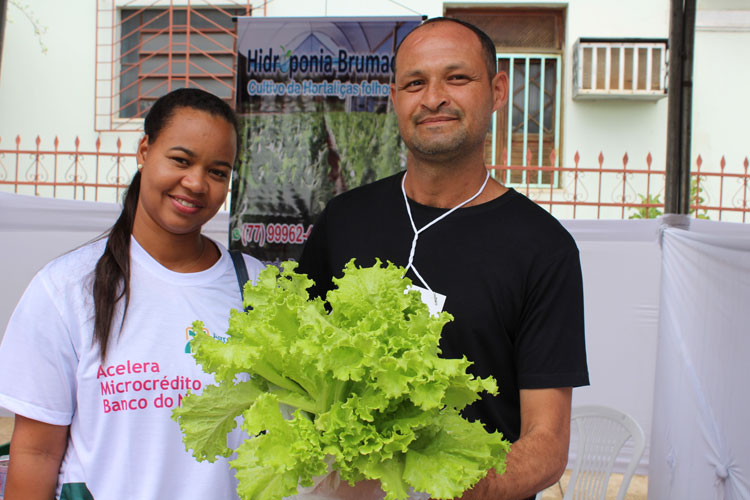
x=436, y=120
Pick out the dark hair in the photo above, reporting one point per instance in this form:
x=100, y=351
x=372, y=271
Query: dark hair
x=112, y=271
x=488, y=46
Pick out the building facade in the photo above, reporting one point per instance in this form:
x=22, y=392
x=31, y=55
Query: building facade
x=584, y=131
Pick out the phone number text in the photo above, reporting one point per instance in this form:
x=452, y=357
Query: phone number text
x=261, y=233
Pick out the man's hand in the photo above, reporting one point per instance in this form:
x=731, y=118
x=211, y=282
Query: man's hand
x=538, y=458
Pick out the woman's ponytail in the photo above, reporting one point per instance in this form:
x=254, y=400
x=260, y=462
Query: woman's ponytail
x=112, y=271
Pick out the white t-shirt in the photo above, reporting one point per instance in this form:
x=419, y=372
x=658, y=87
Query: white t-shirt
x=123, y=443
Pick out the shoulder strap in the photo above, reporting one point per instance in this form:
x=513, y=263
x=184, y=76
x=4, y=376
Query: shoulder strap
x=240, y=268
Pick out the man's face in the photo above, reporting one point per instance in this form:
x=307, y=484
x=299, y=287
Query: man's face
x=442, y=94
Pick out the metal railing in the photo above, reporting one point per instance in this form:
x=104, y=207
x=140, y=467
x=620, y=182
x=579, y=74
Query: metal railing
x=606, y=189
x=600, y=187
x=71, y=173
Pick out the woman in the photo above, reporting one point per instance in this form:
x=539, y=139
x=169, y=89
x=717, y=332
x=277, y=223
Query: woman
x=96, y=354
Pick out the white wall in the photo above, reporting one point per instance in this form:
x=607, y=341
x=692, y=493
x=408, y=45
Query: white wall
x=281, y=8
x=613, y=127
x=53, y=94
x=49, y=94
x=721, y=101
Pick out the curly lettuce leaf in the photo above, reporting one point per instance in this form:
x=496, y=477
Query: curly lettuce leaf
x=281, y=453
x=207, y=419
x=372, y=395
x=456, y=456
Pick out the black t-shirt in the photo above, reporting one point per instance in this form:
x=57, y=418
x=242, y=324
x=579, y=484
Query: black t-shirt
x=510, y=272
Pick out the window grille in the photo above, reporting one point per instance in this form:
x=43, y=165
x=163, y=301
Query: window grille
x=162, y=49
x=526, y=132
x=620, y=69
x=144, y=52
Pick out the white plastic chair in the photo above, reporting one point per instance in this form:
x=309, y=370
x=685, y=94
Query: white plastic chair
x=601, y=434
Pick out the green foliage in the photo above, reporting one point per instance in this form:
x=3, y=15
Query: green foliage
x=696, y=199
x=651, y=212
x=39, y=30
x=647, y=212
x=367, y=389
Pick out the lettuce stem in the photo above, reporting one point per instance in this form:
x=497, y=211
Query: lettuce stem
x=332, y=391
x=297, y=400
x=268, y=372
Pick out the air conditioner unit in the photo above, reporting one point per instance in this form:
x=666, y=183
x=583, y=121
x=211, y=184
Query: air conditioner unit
x=620, y=68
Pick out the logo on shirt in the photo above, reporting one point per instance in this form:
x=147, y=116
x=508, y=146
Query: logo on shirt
x=190, y=332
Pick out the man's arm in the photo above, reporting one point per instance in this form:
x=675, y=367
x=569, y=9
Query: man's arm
x=538, y=458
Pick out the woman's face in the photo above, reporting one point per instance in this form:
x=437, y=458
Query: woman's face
x=186, y=172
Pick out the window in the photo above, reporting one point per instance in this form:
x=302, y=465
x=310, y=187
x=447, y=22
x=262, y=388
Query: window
x=526, y=133
x=162, y=49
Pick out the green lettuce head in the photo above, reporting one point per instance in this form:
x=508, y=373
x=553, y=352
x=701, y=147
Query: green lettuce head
x=369, y=394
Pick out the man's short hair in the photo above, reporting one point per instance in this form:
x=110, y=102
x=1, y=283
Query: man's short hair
x=488, y=46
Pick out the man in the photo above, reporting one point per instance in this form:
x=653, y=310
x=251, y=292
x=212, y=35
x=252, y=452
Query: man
x=506, y=270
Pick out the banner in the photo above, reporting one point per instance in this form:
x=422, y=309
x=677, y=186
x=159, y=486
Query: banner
x=315, y=120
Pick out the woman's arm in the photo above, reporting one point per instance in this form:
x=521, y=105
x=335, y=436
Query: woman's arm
x=36, y=452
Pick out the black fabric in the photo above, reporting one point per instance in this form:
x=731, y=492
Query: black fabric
x=510, y=271
x=240, y=268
